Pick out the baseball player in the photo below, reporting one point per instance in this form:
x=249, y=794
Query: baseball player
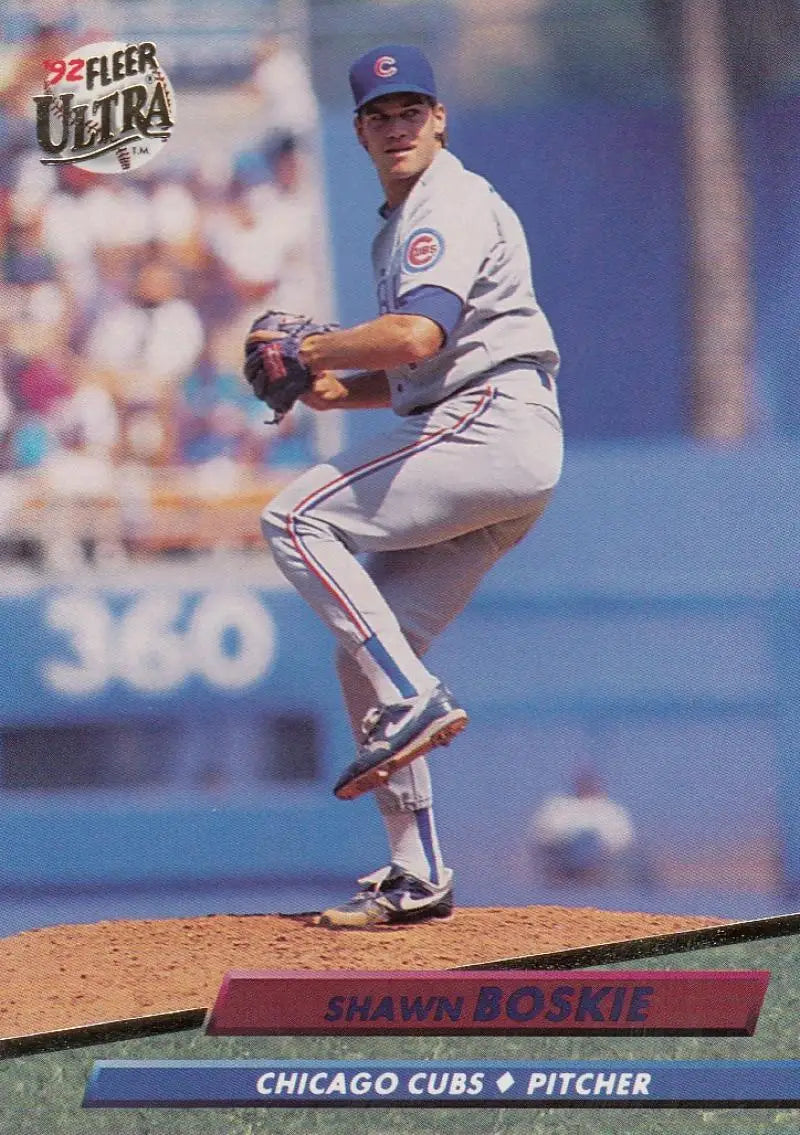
x=388, y=540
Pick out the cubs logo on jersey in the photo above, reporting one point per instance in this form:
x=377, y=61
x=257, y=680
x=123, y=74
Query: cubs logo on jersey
x=424, y=248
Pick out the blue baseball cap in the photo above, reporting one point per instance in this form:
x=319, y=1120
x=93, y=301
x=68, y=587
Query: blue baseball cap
x=392, y=69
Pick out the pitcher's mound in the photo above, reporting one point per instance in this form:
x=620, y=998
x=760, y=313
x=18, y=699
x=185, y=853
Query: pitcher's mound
x=68, y=977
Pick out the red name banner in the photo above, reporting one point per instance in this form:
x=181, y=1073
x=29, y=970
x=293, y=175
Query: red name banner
x=306, y=1003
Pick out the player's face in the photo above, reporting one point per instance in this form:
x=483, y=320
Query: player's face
x=402, y=135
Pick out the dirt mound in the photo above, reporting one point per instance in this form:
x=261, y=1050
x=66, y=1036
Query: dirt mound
x=67, y=977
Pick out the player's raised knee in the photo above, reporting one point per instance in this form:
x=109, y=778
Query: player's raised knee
x=275, y=522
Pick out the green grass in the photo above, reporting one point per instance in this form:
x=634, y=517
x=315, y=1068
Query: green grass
x=41, y=1095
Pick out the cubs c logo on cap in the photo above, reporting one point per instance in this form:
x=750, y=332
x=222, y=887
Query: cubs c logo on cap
x=424, y=248
x=385, y=66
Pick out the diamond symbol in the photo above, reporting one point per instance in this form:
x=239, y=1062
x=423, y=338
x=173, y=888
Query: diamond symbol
x=505, y=1082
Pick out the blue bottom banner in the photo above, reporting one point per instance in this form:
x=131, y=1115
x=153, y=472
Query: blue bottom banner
x=319, y=1083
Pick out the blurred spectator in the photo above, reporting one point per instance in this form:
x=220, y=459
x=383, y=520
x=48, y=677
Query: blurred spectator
x=282, y=81
x=118, y=214
x=32, y=186
x=74, y=471
x=216, y=413
x=6, y=411
x=175, y=215
x=248, y=244
x=90, y=413
x=584, y=836
x=32, y=440
x=78, y=480
x=25, y=262
x=68, y=239
x=147, y=343
x=42, y=385
x=33, y=329
x=211, y=291
x=286, y=202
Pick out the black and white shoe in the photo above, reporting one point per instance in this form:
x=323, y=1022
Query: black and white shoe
x=391, y=896
x=395, y=735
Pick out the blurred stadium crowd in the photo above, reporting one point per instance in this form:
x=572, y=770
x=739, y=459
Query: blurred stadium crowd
x=125, y=426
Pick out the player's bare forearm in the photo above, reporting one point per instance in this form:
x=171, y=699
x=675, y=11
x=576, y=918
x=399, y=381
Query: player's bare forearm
x=379, y=345
x=368, y=390
x=365, y=391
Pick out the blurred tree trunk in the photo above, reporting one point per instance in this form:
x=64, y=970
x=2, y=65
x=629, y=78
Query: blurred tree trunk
x=722, y=395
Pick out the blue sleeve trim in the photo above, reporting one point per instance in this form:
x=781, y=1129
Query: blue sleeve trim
x=439, y=304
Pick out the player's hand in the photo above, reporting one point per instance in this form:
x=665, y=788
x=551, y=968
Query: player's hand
x=327, y=392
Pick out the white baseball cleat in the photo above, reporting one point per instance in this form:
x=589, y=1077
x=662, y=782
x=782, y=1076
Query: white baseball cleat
x=391, y=896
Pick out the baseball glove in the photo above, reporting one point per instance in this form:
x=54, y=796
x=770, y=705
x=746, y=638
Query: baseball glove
x=272, y=363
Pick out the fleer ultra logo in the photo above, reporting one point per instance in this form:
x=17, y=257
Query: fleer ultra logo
x=108, y=106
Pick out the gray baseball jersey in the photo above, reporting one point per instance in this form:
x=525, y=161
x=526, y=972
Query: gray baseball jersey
x=455, y=232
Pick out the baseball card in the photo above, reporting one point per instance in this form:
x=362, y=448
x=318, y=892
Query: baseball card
x=399, y=604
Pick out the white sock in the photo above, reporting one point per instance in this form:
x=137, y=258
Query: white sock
x=414, y=843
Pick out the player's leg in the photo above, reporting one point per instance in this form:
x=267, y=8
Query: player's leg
x=318, y=525
x=368, y=499
x=473, y=460
x=416, y=885
x=427, y=589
